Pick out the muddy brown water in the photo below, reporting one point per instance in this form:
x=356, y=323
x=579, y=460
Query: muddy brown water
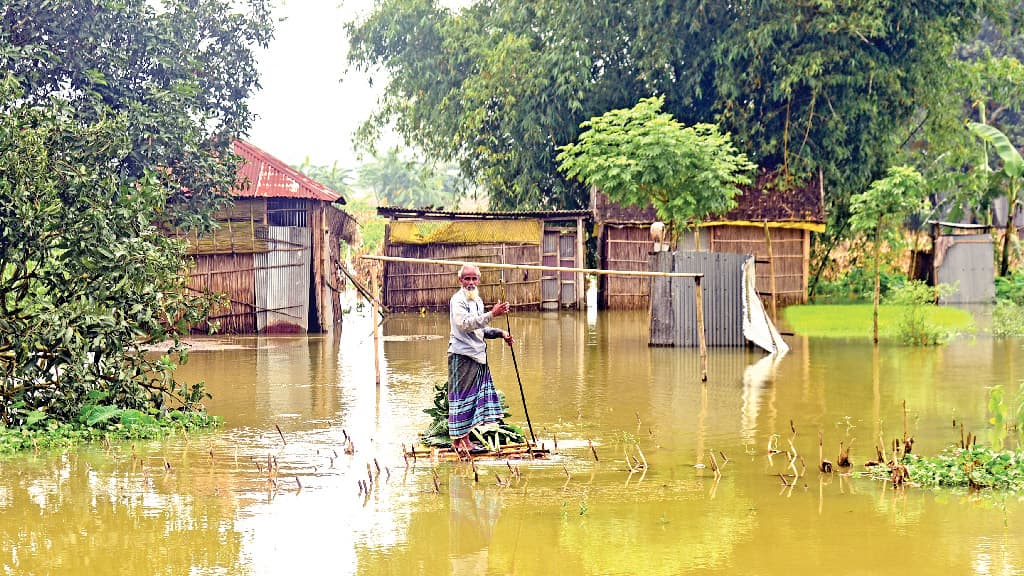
x=206, y=503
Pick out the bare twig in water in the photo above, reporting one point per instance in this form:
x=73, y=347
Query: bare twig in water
x=843, y=461
x=714, y=464
x=593, y=450
x=281, y=434
x=824, y=466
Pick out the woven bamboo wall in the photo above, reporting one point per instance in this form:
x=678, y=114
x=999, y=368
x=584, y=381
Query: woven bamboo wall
x=788, y=254
x=412, y=286
x=234, y=276
x=624, y=247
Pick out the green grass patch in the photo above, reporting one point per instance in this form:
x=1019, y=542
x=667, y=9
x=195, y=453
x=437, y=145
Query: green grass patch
x=854, y=320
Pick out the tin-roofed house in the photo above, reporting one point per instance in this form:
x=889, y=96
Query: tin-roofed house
x=275, y=253
x=771, y=222
x=542, y=238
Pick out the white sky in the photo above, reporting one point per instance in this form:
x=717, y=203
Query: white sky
x=306, y=108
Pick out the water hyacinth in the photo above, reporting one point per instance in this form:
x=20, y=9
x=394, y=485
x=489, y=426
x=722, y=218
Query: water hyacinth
x=974, y=467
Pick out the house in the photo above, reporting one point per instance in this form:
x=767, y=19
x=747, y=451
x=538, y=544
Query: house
x=542, y=238
x=772, y=222
x=275, y=252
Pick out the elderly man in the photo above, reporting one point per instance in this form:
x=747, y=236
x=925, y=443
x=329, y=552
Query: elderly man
x=472, y=399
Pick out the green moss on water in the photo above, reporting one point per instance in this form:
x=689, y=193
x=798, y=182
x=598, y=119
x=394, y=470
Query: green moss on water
x=855, y=320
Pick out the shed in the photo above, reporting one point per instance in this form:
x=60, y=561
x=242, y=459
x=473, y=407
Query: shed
x=962, y=255
x=275, y=251
x=770, y=217
x=541, y=238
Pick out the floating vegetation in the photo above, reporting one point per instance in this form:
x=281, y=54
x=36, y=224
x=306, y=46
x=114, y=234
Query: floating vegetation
x=975, y=467
x=101, y=423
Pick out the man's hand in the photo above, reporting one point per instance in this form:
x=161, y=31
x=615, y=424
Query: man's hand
x=499, y=309
x=507, y=337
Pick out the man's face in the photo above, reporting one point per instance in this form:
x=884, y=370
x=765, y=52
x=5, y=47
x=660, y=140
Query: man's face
x=469, y=279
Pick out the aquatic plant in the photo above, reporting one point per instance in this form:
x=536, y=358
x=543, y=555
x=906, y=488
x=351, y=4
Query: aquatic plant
x=974, y=467
x=100, y=423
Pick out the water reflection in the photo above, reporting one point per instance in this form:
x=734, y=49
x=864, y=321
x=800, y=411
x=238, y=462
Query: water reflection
x=276, y=492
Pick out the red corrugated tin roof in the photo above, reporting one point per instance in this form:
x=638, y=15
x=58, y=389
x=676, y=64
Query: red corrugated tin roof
x=269, y=177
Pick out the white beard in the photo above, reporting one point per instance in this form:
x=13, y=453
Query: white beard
x=470, y=294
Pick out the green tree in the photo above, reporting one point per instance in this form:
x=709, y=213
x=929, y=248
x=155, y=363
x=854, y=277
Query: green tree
x=642, y=156
x=396, y=181
x=1012, y=175
x=116, y=121
x=883, y=207
x=837, y=86
x=334, y=177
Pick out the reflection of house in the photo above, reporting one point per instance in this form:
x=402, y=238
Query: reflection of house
x=767, y=218
x=961, y=256
x=553, y=238
x=275, y=251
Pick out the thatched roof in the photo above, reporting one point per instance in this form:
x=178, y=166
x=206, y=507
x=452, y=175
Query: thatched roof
x=768, y=199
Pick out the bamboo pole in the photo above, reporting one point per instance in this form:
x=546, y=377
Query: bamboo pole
x=376, y=334
x=483, y=265
x=771, y=272
x=699, y=293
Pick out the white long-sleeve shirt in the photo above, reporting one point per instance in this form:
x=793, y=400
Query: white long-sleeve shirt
x=469, y=320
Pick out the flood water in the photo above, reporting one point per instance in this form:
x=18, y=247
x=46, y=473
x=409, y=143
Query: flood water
x=208, y=503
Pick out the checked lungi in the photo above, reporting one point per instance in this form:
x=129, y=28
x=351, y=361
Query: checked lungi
x=472, y=399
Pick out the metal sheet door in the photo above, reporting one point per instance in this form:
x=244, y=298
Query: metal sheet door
x=282, y=281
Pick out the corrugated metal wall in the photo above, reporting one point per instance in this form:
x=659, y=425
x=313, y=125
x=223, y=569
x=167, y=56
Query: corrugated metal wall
x=673, y=301
x=968, y=263
x=282, y=281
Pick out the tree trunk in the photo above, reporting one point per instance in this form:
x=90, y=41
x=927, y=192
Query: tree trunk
x=878, y=280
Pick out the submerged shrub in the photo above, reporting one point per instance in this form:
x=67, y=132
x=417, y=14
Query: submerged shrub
x=913, y=327
x=1011, y=288
x=1008, y=319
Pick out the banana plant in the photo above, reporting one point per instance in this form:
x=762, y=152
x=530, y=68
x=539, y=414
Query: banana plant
x=1013, y=170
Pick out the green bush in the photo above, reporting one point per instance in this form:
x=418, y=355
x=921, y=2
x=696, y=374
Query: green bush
x=1008, y=319
x=913, y=327
x=1011, y=288
x=857, y=285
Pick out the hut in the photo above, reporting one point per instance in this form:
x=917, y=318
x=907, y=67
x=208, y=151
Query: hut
x=771, y=222
x=274, y=253
x=541, y=238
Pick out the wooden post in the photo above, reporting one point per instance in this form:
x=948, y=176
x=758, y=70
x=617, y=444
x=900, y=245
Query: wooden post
x=771, y=272
x=699, y=293
x=376, y=333
x=581, y=262
x=806, y=265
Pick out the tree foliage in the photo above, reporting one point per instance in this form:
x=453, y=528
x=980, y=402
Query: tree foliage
x=882, y=208
x=1010, y=183
x=641, y=156
x=398, y=181
x=116, y=120
x=837, y=86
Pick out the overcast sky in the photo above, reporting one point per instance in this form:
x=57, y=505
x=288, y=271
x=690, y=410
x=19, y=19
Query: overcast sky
x=306, y=107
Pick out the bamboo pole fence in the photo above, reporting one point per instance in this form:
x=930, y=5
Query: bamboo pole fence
x=695, y=275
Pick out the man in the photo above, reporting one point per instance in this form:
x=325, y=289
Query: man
x=472, y=399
